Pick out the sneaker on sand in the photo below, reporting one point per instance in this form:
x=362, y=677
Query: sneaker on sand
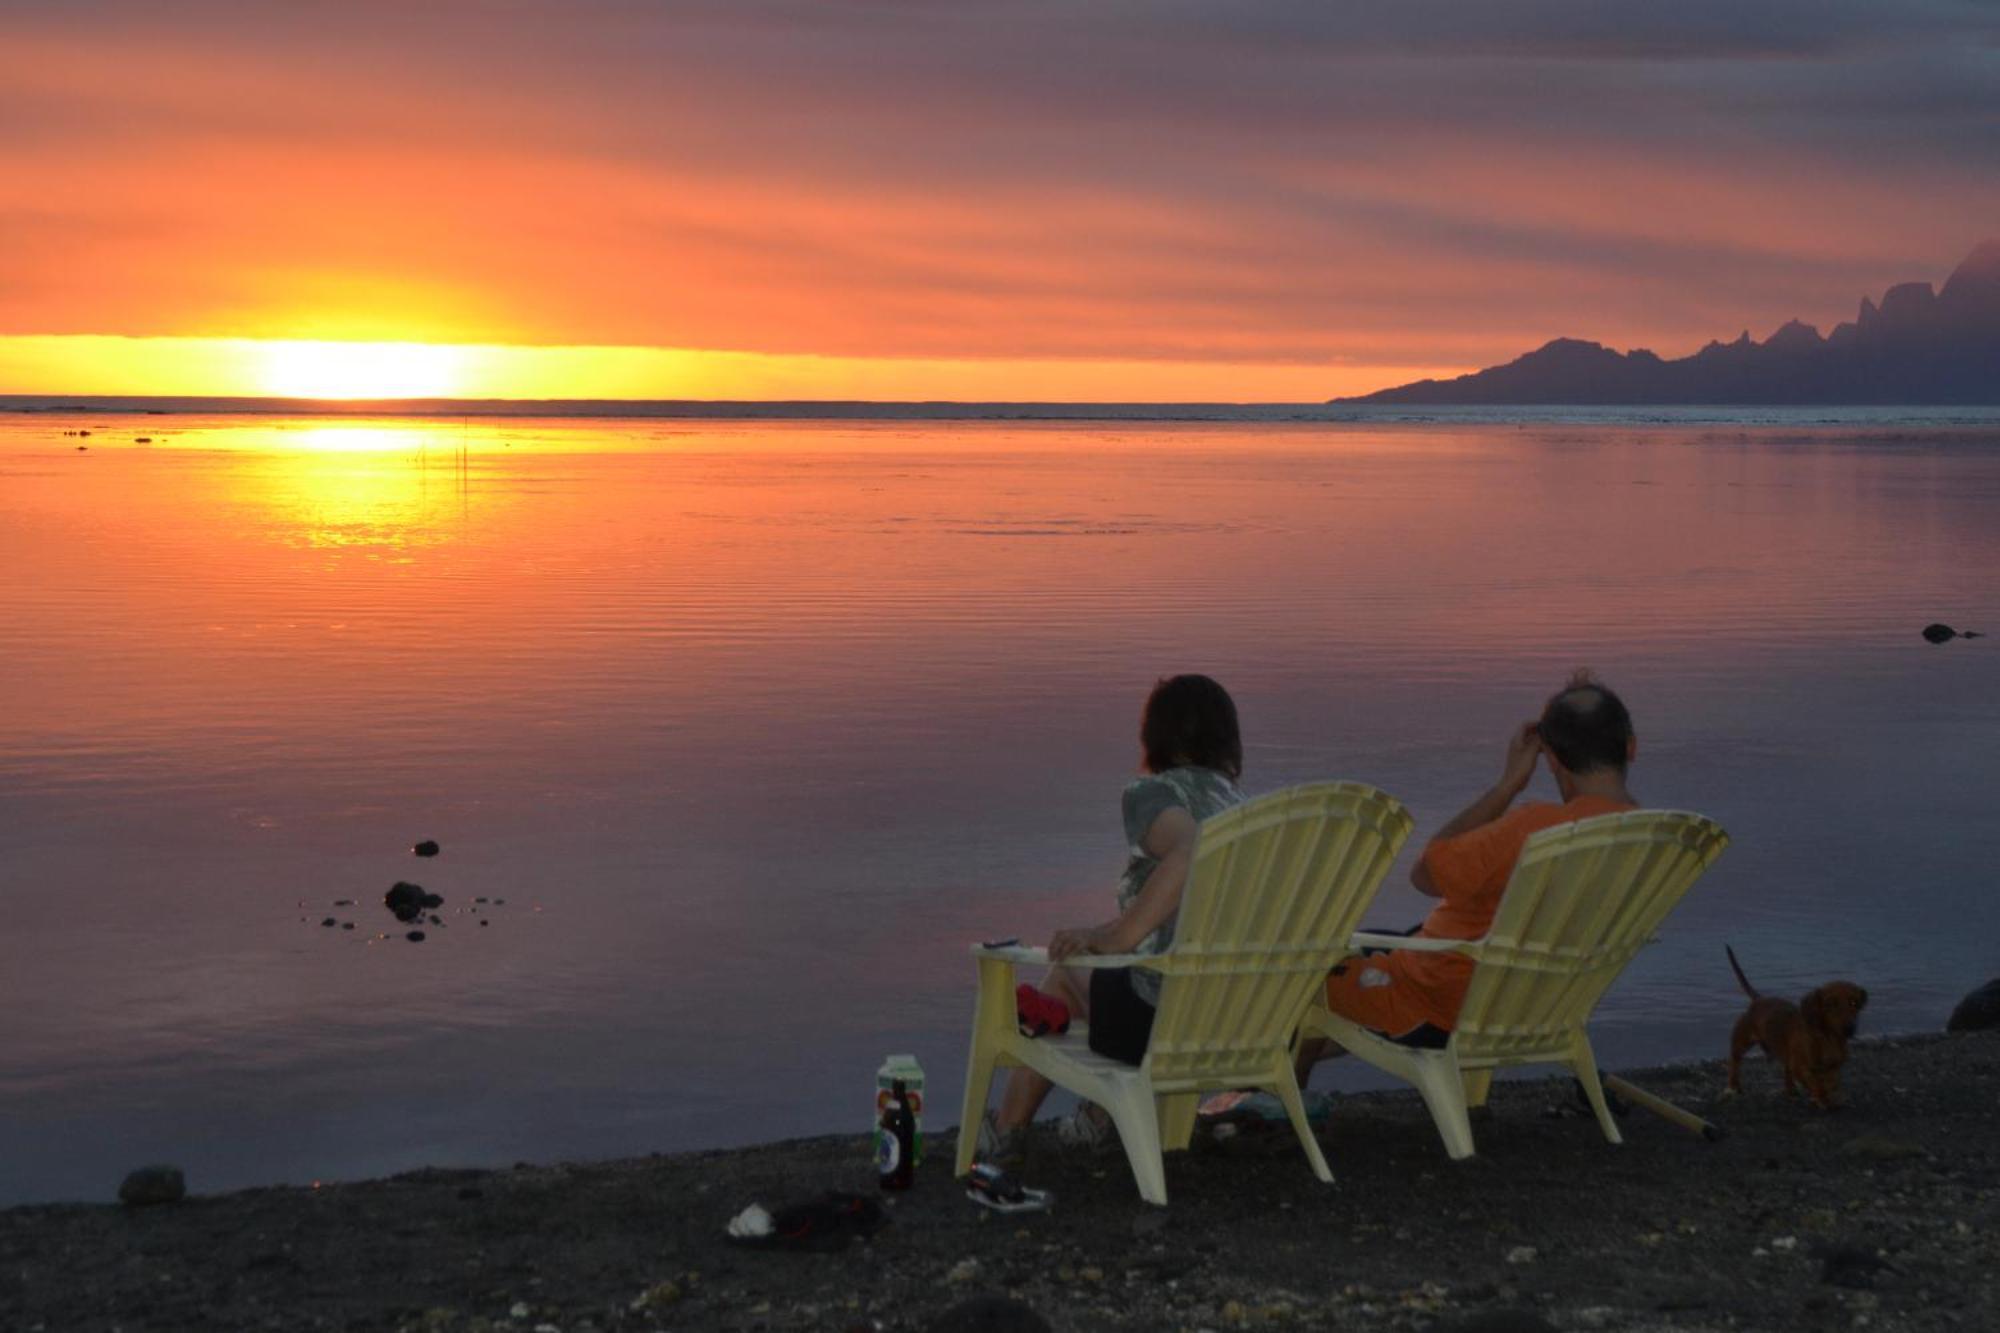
x=990, y=1187
x=1087, y=1128
x=1003, y=1147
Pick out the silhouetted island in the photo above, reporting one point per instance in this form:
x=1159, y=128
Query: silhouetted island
x=1917, y=347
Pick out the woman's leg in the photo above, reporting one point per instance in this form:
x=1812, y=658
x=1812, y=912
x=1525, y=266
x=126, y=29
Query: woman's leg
x=1026, y=1090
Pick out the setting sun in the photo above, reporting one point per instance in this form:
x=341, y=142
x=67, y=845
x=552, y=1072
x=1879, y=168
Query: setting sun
x=302, y=369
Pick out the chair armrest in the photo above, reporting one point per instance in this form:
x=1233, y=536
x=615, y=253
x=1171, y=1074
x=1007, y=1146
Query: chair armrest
x=1039, y=957
x=1362, y=939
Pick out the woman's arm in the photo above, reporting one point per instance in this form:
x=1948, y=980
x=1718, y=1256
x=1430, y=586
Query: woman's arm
x=1171, y=838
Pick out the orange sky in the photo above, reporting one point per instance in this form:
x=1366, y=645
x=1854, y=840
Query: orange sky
x=861, y=198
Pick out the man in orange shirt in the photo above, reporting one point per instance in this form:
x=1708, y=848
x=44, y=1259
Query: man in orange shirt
x=1585, y=734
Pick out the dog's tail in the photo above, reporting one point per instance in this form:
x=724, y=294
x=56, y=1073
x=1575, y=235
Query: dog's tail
x=1741, y=980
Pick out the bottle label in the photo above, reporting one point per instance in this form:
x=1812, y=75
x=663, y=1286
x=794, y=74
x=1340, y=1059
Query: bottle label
x=888, y=1154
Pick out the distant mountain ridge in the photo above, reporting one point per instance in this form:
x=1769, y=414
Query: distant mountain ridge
x=1917, y=347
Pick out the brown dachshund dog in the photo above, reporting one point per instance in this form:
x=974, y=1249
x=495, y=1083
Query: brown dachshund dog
x=1808, y=1039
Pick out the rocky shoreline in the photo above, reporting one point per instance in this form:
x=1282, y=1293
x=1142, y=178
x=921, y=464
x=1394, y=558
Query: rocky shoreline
x=1883, y=1216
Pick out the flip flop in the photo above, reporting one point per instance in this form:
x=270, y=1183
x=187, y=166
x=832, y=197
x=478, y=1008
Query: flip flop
x=1263, y=1108
x=1222, y=1103
x=990, y=1187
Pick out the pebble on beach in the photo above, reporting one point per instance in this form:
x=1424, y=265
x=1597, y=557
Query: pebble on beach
x=990, y=1314
x=415, y=937
x=1849, y=1266
x=150, y=1185
x=1502, y=1321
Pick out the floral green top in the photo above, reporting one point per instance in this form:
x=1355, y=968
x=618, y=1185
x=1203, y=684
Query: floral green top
x=1199, y=791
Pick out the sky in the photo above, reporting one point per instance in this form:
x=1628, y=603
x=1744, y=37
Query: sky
x=1026, y=199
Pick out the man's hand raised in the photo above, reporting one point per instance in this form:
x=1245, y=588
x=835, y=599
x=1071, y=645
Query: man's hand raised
x=1524, y=747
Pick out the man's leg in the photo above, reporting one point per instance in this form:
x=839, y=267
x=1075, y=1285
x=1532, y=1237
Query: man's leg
x=1366, y=991
x=1311, y=1051
x=1344, y=995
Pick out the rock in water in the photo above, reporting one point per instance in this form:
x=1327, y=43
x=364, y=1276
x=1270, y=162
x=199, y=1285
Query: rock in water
x=1936, y=633
x=410, y=901
x=425, y=848
x=990, y=1314
x=1978, y=1011
x=150, y=1185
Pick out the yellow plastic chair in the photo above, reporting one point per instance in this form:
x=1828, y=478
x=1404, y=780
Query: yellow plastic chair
x=1277, y=886
x=1583, y=899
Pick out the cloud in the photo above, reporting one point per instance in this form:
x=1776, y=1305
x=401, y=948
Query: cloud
x=1289, y=182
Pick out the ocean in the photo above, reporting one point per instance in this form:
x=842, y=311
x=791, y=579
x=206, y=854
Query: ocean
x=736, y=725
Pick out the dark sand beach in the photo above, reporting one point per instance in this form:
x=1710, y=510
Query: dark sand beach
x=1882, y=1215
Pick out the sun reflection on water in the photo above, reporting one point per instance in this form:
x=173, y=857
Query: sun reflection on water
x=392, y=488
x=357, y=439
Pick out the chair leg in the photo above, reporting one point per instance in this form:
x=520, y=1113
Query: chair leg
x=1176, y=1112
x=978, y=1086
x=995, y=1004
x=1287, y=1088
x=1477, y=1083
x=1584, y=1065
x=1443, y=1091
x=1133, y=1112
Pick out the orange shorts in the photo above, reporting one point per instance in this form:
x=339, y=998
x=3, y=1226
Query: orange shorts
x=1373, y=995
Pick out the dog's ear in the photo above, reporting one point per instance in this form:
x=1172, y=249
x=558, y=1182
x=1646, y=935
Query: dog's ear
x=1813, y=1008
x=1860, y=999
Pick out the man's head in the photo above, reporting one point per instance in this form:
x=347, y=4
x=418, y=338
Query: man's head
x=1586, y=730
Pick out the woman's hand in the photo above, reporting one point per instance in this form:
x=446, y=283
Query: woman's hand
x=1068, y=943
x=1171, y=839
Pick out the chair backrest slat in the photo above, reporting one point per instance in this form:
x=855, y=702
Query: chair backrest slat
x=1583, y=899
x=1277, y=886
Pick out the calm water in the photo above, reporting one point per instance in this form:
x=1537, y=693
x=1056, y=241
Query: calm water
x=755, y=724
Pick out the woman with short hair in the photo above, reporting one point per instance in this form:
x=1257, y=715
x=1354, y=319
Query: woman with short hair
x=1192, y=758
